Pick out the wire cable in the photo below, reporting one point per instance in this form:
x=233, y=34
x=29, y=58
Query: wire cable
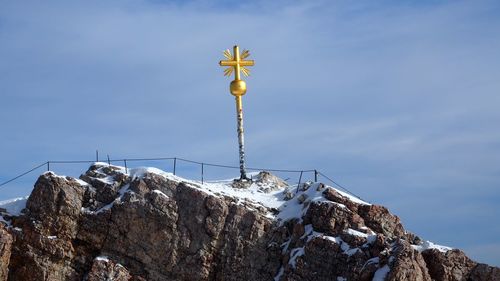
x=23, y=174
x=341, y=187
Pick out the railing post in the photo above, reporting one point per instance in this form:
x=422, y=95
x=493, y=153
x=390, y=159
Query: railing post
x=48, y=166
x=97, y=155
x=202, y=168
x=125, y=162
x=300, y=179
x=315, y=176
x=175, y=164
x=109, y=162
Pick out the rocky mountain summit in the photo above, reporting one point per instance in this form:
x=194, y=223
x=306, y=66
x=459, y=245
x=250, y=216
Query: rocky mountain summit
x=146, y=224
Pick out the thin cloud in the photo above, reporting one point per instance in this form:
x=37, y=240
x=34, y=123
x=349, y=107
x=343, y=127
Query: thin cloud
x=384, y=97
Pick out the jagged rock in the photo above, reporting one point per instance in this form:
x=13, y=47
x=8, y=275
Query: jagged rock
x=321, y=187
x=380, y=220
x=329, y=217
x=485, y=272
x=104, y=269
x=239, y=184
x=335, y=196
x=105, y=180
x=288, y=194
x=302, y=198
x=327, y=258
x=43, y=248
x=153, y=226
x=56, y=203
x=408, y=264
x=305, y=185
x=269, y=182
x=453, y=265
x=5, y=252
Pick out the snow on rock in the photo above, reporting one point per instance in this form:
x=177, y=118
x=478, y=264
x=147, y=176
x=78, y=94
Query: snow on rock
x=102, y=258
x=160, y=193
x=307, y=230
x=118, y=200
x=104, y=268
x=381, y=273
x=295, y=253
x=280, y=274
x=429, y=245
x=356, y=233
x=267, y=190
x=66, y=178
x=268, y=182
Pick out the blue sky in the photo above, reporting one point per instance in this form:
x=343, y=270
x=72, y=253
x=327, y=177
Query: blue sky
x=397, y=100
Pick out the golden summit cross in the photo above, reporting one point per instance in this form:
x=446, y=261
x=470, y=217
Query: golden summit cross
x=236, y=62
x=238, y=88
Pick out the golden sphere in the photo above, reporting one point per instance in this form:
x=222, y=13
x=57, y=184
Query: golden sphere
x=238, y=87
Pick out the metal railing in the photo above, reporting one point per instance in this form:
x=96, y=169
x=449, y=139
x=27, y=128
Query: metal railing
x=175, y=162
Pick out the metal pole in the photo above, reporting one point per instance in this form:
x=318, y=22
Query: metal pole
x=109, y=162
x=125, y=162
x=48, y=166
x=175, y=164
x=97, y=155
x=241, y=137
x=238, y=88
x=315, y=176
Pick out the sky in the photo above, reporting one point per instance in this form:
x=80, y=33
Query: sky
x=396, y=100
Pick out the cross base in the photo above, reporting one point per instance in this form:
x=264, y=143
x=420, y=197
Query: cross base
x=242, y=183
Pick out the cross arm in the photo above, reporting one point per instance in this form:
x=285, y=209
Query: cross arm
x=247, y=62
x=234, y=63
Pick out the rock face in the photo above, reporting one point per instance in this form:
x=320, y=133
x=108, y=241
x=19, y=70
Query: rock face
x=5, y=250
x=114, y=224
x=104, y=269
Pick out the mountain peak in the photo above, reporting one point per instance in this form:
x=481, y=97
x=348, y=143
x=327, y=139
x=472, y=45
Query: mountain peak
x=146, y=224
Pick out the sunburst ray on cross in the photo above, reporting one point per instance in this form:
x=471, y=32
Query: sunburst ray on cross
x=237, y=62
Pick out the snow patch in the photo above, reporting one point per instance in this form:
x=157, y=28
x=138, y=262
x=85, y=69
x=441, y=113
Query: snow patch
x=102, y=258
x=280, y=273
x=80, y=182
x=429, y=245
x=352, y=198
x=157, y=191
x=381, y=273
x=356, y=233
x=118, y=200
x=346, y=248
x=295, y=253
